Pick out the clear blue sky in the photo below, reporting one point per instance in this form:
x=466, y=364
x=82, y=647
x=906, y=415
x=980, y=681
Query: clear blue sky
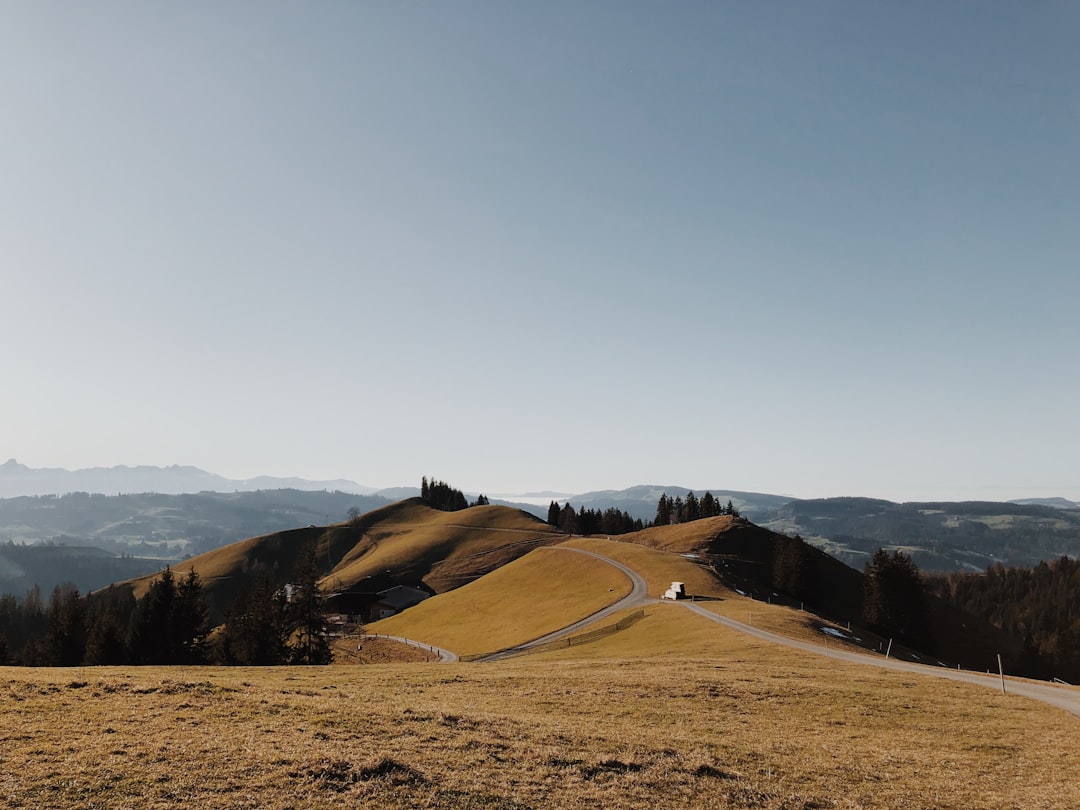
x=805, y=248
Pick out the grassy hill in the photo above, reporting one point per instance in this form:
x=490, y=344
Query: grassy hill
x=444, y=550
x=543, y=591
x=403, y=543
x=489, y=604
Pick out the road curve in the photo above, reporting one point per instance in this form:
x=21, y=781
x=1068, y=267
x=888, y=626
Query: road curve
x=1062, y=697
x=445, y=656
x=638, y=597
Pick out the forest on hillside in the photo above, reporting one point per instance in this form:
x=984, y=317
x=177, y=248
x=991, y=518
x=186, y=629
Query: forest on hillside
x=1039, y=604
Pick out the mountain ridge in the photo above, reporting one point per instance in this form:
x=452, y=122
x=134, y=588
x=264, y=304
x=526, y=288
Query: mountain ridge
x=18, y=480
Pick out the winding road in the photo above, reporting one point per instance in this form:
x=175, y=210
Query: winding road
x=638, y=597
x=1067, y=698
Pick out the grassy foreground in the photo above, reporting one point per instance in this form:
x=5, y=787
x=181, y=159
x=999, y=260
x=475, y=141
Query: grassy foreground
x=721, y=722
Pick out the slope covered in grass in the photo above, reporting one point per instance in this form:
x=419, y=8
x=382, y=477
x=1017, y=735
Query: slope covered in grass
x=406, y=542
x=543, y=591
x=444, y=550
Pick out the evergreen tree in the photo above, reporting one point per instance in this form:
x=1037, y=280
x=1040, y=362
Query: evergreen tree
x=440, y=495
x=678, y=510
x=151, y=639
x=307, y=613
x=169, y=625
x=663, y=511
x=109, y=613
x=256, y=629
x=693, y=507
x=893, y=597
x=710, y=507
x=568, y=519
x=65, y=633
x=553, y=513
x=190, y=621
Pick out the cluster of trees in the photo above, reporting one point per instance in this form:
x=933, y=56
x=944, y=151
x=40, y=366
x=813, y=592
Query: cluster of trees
x=440, y=495
x=269, y=625
x=170, y=624
x=1040, y=604
x=794, y=569
x=894, y=599
x=678, y=510
x=592, y=521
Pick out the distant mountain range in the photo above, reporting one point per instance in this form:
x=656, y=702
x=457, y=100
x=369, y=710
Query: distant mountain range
x=174, y=512
x=17, y=479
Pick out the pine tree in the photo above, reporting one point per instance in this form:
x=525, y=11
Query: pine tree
x=893, y=597
x=256, y=627
x=307, y=613
x=190, y=621
x=678, y=510
x=65, y=634
x=109, y=612
x=151, y=631
x=553, y=513
x=693, y=506
x=568, y=519
x=663, y=511
x=709, y=506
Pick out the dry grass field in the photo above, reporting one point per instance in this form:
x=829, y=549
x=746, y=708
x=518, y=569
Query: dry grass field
x=674, y=712
x=543, y=591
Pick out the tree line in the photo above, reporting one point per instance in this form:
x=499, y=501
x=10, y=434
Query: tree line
x=592, y=521
x=680, y=510
x=1039, y=604
x=440, y=495
x=169, y=624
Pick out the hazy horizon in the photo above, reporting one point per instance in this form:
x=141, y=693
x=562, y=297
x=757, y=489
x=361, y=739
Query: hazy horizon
x=542, y=497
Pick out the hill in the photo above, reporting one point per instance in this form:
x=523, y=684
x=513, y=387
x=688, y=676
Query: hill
x=717, y=558
x=402, y=543
x=160, y=525
x=46, y=566
x=940, y=536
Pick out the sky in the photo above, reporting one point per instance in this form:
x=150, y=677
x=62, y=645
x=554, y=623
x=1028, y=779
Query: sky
x=812, y=249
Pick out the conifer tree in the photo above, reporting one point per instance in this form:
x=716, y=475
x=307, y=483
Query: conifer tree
x=893, y=597
x=256, y=627
x=190, y=620
x=65, y=634
x=553, y=513
x=307, y=613
x=663, y=511
x=692, y=507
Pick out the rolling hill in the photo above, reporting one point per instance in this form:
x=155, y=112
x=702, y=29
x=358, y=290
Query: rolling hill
x=402, y=543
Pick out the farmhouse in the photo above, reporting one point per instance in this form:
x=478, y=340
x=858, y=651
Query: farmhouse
x=396, y=599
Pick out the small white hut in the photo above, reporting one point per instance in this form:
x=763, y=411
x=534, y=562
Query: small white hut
x=676, y=591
